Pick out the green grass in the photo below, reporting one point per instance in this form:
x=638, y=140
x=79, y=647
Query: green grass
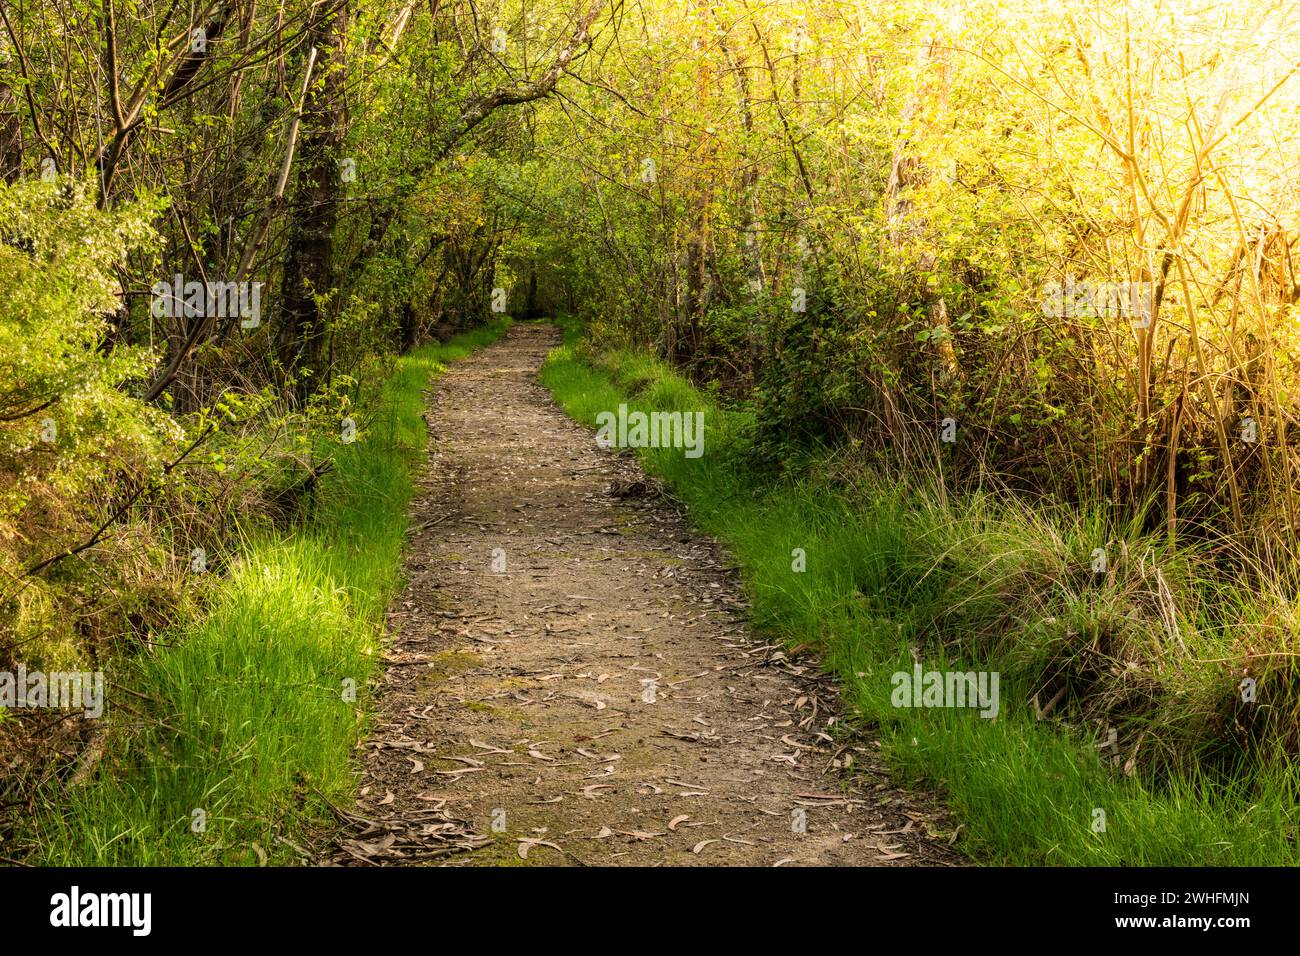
x=978, y=584
x=247, y=716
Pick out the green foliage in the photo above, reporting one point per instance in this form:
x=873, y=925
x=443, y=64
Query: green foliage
x=68, y=426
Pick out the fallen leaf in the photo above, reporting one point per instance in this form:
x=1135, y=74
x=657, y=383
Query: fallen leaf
x=370, y=849
x=527, y=843
x=488, y=748
x=641, y=834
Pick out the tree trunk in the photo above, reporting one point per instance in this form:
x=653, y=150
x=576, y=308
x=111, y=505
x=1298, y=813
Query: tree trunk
x=309, y=271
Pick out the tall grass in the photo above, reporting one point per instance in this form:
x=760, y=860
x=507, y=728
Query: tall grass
x=897, y=572
x=231, y=742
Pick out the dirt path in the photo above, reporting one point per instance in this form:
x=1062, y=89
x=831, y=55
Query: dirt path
x=596, y=698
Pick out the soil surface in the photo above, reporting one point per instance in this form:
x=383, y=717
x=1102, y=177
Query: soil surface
x=570, y=678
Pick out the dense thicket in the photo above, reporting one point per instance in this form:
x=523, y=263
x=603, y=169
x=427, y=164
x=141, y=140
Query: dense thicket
x=1068, y=227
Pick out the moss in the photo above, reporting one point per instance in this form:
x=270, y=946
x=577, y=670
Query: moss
x=450, y=663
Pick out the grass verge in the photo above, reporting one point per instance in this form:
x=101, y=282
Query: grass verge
x=245, y=726
x=896, y=574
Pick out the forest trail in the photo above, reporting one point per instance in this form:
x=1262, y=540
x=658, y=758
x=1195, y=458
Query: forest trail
x=600, y=700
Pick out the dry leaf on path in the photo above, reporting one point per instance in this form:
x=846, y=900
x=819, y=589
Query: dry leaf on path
x=527, y=843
